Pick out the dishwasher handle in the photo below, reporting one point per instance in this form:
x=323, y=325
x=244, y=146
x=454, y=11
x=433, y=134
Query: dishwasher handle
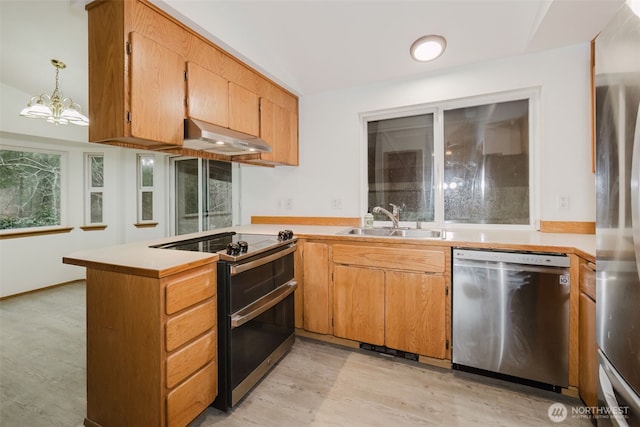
x=525, y=258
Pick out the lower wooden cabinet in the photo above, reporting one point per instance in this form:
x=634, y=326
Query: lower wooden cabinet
x=384, y=295
x=186, y=401
x=415, y=306
x=358, y=304
x=151, y=347
x=587, y=347
x=316, y=288
x=187, y=360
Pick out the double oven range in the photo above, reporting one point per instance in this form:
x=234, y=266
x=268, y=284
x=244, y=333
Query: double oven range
x=255, y=306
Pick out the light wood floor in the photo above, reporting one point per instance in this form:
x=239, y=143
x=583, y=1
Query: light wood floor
x=42, y=381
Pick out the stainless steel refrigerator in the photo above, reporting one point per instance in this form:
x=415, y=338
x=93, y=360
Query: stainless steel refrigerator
x=617, y=78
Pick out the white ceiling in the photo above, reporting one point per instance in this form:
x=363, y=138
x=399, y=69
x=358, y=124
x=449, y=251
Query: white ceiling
x=308, y=46
x=313, y=46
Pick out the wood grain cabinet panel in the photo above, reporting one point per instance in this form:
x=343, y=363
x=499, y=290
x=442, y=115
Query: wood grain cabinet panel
x=244, y=110
x=189, y=289
x=279, y=128
x=358, y=304
x=157, y=92
x=189, y=359
x=415, y=313
x=188, y=325
x=390, y=257
x=138, y=55
x=137, y=355
x=207, y=95
x=587, y=346
x=392, y=295
x=316, y=287
x=186, y=401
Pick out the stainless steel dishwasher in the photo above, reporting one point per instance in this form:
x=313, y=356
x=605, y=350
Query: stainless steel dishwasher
x=511, y=315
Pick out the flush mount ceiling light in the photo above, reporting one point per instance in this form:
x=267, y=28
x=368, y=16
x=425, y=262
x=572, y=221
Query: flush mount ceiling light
x=55, y=108
x=428, y=48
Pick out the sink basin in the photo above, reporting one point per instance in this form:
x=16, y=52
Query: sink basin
x=410, y=233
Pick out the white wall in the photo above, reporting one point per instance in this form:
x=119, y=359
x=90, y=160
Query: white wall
x=28, y=263
x=331, y=159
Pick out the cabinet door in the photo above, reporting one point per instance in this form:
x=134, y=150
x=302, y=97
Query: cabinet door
x=588, y=357
x=157, y=92
x=358, y=304
x=207, y=95
x=317, y=309
x=279, y=128
x=415, y=313
x=244, y=110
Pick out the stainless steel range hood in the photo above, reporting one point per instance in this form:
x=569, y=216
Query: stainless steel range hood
x=203, y=136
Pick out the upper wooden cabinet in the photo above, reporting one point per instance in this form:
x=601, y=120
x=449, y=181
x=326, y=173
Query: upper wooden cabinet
x=139, y=97
x=136, y=84
x=157, y=92
x=244, y=110
x=279, y=128
x=207, y=95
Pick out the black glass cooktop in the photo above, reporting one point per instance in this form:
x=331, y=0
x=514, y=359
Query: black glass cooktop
x=232, y=246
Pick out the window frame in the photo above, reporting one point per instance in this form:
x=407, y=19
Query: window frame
x=437, y=109
x=145, y=189
x=90, y=189
x=64, y=176
x=235, y=193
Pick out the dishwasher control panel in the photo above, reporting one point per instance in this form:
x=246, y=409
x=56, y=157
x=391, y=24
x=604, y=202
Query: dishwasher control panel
x=530, y=258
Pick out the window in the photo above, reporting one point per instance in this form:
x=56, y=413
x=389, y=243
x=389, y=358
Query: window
x=482, y=151
x=401, y=165
x=30, y=189
x=203, y=195
x=145, y=188
x=94, y=188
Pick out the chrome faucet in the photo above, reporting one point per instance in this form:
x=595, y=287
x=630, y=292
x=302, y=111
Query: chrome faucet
x=394, y=217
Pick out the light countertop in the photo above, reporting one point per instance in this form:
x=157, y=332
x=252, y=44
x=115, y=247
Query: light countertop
x=140, y=259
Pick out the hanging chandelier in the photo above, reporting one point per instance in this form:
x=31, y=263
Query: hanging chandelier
x=55, y=108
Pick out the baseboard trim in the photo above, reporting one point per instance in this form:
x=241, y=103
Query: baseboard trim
x=575, y=227
x=306, y=220
x=33, y=291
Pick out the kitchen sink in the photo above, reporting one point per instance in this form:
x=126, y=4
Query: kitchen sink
x=411, y=233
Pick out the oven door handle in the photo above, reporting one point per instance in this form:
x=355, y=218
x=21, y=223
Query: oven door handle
x=265, y=303
x=236, y=269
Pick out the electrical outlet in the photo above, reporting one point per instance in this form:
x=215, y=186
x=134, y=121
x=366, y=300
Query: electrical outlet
x=563, y=202
x=288, y=203
x=336, y=203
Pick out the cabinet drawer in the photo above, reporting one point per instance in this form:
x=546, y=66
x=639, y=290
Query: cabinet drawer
x=190, y=288
x=192, y=397
x=428, y=260
x=188, y=360
x=188, y=325
x=588, y=280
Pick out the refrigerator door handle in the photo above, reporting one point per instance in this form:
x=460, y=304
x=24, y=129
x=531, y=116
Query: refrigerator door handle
x=611, y=380
x=635, y=190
